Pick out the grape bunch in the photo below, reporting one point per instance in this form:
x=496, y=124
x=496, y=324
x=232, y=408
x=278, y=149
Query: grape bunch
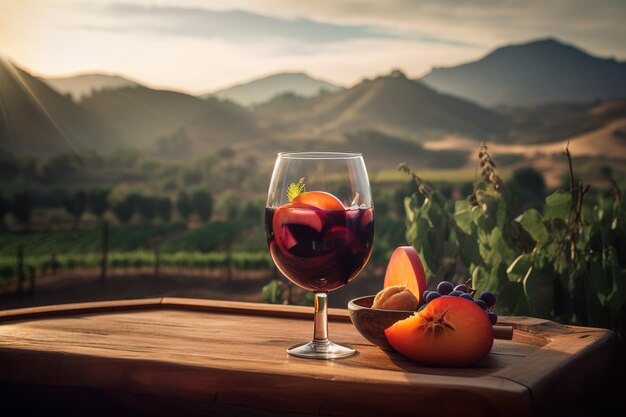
x=486, y=300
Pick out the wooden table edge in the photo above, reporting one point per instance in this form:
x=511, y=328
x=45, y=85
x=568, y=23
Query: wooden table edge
x=234, y=307
x=537, y=326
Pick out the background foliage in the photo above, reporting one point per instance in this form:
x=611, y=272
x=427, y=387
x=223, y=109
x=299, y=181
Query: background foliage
x=565, y=261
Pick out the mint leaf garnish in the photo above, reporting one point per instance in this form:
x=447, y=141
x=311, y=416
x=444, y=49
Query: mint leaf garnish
x=295, y=190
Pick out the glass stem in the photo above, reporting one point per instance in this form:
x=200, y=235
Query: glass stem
x=320, y=318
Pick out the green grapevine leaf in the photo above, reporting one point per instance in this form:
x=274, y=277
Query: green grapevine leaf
x=295, y=189
x=468, y=248
x=479, y=278
x=438, y=199
x=308, y=300
x=558, y=205
x=462, y=216
x=437, y=214
x=511, y=299
x=610, y=264
x=411, y=234
x=478, y=217
x=532, y=222
x=485, y=279
x=409, y=207
x=436, y=241
x=501, y=211
x=617, y=298
x=272, y=292
x=539, y=292
x=495, y=237
x=519, y=268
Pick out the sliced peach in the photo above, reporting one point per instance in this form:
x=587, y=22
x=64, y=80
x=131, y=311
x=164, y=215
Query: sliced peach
x=288, y=215
x=306, y=217
x=287, y=238
x=343, y=234
x=405, y=268
x=318, y=199
x=352, y=215
x=450, y=331
x=368, y=217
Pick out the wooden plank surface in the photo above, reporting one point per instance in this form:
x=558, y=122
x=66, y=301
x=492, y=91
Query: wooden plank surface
x=233, y=354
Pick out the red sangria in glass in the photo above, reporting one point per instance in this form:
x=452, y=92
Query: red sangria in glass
x=319, y=223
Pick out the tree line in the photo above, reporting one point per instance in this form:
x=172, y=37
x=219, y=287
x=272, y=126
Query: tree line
x=99, y=201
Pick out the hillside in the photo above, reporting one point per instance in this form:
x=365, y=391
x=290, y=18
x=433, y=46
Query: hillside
x=549, y=123
x=142, y=116
x=37, y=120
x=264, y=89
x=537, y=72
x=390, y=104
x=82, y=85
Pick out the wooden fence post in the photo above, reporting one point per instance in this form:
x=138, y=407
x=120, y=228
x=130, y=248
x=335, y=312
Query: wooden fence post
x=105, y=251
x=229, y=262
x=20, y=269
x=157, y=262
x=289, y=287
x=54, y=263
x=31, y=289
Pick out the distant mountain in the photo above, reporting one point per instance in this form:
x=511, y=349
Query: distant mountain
x=264, y=89
x=142, y=117
x=390, y=104
x=139, y=115
x=537, y=72
x=554, y=122
x=37, y=120
x=83, y=85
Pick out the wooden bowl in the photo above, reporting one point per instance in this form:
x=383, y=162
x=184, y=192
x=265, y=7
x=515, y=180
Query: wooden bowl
x=372, y=322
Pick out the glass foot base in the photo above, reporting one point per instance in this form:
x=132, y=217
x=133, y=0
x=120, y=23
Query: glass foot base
x=320, y=350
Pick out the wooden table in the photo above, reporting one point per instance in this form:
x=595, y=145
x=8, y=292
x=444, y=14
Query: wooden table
x=169, y=356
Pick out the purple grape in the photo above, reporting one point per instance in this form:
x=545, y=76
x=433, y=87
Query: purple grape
x=456, y=293
x=423, y=306
x=425, y=294
x=461, y=287
x=445, y=288
x=466, y=296
x=493, y=317
x=431, y=296
x=488, y=297
x=481, y=304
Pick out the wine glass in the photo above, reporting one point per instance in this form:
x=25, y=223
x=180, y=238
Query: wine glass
x=319, y=222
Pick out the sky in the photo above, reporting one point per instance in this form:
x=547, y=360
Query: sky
x=199, y=46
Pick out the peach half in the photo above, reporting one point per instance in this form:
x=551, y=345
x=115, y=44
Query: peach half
x=450, y=331
x=405, y=268
x=318, y=199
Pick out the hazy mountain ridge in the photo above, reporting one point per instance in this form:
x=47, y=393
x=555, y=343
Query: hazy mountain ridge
x=140, y=115
x=38, y=120
x=396, y=111
x=143, y=116
x=392, y=104
x=537, y=72
x=83, y=85
x=557, y=121
x=264, y=89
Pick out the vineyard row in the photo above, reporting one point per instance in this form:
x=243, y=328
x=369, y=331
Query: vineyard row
x=43, y=264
